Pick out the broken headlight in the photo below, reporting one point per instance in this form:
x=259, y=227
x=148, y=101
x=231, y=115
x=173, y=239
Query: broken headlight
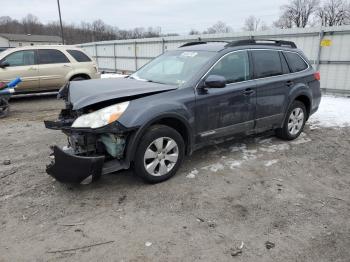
x=102, y=116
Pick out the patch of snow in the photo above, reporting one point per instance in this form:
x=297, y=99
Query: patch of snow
x=332, y=112
x=301, y=140
x=238, y=147
x=148, y=244
x=271, y=162
x=193, y=173
x=214, y=167
x=274, y=148
x=235, y=164
x=110, y=75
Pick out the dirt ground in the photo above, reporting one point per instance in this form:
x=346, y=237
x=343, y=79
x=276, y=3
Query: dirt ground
x=224, y=204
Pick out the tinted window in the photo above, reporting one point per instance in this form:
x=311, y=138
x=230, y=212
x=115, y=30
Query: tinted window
x=21, y=58
x=296, y=63
x=234, y=67
x=51, y=56
x=79, y=56
x=266, y=63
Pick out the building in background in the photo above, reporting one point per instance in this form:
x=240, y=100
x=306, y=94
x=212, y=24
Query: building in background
x=18, y=40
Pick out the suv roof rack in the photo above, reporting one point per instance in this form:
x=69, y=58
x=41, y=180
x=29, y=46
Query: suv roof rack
x=262, y=42
x=203, y=42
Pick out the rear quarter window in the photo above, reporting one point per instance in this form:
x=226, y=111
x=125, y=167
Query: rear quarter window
x=79, y=56
x=295, y=62
x=266, y=63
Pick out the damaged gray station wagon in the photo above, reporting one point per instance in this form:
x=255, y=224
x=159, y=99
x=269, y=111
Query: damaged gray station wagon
x=179, y=102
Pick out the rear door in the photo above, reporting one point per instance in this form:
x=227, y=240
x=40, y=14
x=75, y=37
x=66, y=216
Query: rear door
x=53, y=68
x=21, y=64
x=272, y=87
x=228, y=110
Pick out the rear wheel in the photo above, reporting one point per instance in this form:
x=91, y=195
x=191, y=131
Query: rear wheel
x=159, y=154
x=294, y=122
x=78, y=78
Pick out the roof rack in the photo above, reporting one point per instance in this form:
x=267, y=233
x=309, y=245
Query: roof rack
x=203, y=43
x=262, y=42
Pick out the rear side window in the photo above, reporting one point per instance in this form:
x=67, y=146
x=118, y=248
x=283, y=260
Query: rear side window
x=79, y=56
x=296, y=63
x=51, y=56
x=266, y=63
x=234, y=67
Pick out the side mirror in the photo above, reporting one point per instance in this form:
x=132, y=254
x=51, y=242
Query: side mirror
x=4, y=64
x=215, y=81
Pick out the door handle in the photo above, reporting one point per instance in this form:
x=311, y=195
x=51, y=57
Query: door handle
x=289, y=83
x=248, y=92
x=67, y=66
x=31, y=68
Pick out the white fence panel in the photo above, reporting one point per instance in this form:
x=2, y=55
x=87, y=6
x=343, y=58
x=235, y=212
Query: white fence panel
x=333, y=60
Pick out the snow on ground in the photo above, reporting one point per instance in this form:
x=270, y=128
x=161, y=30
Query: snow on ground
x=110, y=75
x=333, y=112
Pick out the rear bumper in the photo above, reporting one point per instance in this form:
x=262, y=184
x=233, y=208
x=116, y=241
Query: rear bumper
x=68, y=168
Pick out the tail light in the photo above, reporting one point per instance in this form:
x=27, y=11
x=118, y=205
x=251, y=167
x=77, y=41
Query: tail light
x=317, y=76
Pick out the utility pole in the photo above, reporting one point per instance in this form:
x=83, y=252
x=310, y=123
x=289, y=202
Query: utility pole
x=59, y=13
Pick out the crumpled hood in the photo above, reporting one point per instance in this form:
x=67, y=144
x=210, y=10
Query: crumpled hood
x=89, y=92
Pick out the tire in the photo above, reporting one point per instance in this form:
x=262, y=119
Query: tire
x=294, y=122
x=4, y=108
x=78, y=78
x=152, y=161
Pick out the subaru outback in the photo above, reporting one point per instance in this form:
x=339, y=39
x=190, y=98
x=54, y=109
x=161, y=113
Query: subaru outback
x=179, y=102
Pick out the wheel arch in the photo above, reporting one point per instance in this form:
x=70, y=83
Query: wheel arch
x=178, y=122
x=86, y=76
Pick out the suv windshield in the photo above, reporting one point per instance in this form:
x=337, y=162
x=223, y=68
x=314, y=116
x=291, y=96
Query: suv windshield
x=174, y=67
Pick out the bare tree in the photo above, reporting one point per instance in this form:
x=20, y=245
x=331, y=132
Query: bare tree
x=194, y=32
x=219, y=27
x=334, y=12
x=251, y=24
x=297, y=13
x=285, y=21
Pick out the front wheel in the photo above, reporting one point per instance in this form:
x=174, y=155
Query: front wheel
x=294, y=122
x=159, y=154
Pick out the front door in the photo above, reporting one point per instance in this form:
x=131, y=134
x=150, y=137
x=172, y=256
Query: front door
x=54, y=66
x=229, y=110
x=21, y=64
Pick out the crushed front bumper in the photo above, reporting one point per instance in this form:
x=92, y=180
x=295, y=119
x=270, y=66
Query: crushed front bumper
x=69, y=168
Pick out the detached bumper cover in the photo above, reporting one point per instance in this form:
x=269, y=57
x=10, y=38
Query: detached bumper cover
x=68, y=168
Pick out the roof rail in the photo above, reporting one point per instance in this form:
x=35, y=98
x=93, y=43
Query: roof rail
x=203, y=43
x=262, y=42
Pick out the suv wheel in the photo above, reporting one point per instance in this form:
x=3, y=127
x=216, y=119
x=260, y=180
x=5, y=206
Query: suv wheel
x=294, y=123
x=159, y=154
x=78, y=78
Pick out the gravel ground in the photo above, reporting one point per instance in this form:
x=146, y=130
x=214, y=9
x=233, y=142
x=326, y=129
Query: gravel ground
x=257, y=199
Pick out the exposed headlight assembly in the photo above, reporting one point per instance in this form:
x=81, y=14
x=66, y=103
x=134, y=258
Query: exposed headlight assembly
x=101, y=117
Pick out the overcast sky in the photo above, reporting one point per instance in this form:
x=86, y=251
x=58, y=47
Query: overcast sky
x=173, y=16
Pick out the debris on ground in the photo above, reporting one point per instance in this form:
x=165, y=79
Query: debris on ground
x=269, y=244
x=78, y=248
x=6, y=162
x=121, y=199
x=237, y=251
x=148, y=244
x=193, y=173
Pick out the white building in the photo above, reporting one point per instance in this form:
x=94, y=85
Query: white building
x=17, y=40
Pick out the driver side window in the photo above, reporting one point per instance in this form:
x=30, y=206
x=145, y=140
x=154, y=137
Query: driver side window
x=21, y=58
x=234, y=67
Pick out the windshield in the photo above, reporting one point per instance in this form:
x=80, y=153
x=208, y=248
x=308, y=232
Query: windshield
x=174, y=67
